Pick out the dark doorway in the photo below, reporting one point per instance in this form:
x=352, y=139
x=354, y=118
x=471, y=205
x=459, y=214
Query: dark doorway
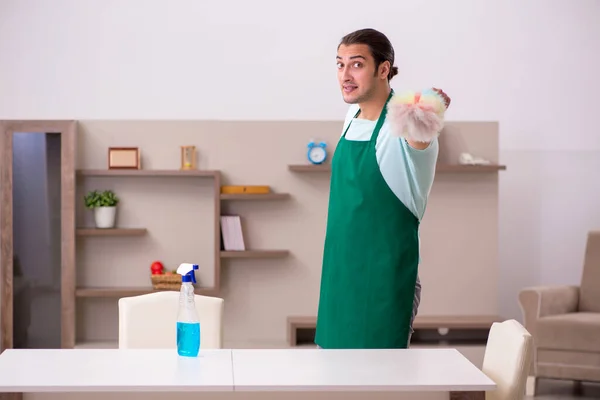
x=36, y=240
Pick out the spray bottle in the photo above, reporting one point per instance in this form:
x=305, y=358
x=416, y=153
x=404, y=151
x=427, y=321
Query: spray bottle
x=188, y=323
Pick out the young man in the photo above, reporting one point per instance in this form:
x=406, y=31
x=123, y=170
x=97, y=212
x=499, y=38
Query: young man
x=370, y=289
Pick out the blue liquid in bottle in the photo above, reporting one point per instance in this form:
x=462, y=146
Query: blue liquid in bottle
x=188, y=323
x=188, y=339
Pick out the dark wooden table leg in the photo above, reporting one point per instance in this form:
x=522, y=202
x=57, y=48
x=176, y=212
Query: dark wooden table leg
x=467, y=395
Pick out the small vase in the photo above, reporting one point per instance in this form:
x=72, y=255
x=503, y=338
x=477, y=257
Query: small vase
x=105, y=217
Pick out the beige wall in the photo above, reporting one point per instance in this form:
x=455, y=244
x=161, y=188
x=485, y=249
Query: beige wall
x=260, y=294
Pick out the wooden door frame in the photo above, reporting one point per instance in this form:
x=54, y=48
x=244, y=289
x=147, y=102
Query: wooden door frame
x=68, y=133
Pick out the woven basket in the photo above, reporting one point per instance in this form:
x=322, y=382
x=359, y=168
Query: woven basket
x=166, y=282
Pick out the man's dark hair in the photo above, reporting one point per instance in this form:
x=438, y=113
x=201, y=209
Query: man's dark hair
x=380, y=46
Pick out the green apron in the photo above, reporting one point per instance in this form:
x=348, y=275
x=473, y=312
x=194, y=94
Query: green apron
x=371, y=254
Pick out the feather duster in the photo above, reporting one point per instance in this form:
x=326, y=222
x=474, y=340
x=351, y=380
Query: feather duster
x=416, y=116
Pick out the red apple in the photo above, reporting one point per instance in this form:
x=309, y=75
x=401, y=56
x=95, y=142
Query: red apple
x=157, y=267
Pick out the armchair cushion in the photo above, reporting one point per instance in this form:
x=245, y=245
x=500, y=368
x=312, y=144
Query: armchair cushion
x=589, y=295
x=572, y=332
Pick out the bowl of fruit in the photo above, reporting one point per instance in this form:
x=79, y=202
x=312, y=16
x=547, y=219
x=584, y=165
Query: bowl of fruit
x=163, y=278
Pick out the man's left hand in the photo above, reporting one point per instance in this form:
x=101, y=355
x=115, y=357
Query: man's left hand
x=446, y=98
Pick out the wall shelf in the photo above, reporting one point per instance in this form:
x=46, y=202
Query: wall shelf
x=254, y=197
x=146, y=173
x=111, y=232
x=442, y=168
x=255, y=254
x=470, y=168
x=310, y=168
x=108, y=292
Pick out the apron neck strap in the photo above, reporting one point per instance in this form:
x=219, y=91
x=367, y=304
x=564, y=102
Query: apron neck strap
x=381, y=119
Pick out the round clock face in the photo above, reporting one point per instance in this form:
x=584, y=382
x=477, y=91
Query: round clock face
x=317, y=154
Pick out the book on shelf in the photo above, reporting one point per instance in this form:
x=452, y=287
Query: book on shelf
x=232, y=237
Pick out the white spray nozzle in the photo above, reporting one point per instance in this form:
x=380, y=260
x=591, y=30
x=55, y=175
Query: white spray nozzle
x=186, y=270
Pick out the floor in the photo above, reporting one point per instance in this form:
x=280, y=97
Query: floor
x=562, y=390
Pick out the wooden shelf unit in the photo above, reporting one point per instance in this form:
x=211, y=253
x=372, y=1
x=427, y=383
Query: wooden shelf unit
x=117, y=292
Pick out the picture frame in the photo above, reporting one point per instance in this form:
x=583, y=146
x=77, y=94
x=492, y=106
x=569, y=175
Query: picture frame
x=188, y=158
x=124, y=158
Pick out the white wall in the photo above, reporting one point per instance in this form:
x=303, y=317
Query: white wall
x=531, y=65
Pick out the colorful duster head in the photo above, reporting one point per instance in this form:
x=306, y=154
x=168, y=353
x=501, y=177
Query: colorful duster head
x=417, y=116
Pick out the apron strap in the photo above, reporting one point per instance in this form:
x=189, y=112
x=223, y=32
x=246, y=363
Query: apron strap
x=380, y=120
x=350, y=123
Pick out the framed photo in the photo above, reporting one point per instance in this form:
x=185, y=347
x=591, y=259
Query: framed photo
x=123, y=158
x=188, y=157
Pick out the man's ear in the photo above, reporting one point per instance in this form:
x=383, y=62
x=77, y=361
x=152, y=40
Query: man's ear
x=384, y=69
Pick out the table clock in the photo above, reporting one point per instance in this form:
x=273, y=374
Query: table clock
x=317, y=152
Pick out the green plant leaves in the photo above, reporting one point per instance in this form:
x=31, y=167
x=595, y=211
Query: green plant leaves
x=96, y=198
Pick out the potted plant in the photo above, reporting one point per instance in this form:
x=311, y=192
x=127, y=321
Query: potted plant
x=104, y=203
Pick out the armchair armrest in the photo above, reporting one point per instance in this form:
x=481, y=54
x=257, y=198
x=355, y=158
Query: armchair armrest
x=541, y=301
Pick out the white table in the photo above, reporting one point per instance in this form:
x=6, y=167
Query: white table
x=356, y=370
x=96, y=370
x=242, y=374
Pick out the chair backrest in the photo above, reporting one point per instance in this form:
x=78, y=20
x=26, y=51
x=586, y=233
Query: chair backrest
x=507, y=360
x=150, y=320
x=589, y=295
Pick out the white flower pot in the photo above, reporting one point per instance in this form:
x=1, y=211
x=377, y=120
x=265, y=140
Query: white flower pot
x=105, y=217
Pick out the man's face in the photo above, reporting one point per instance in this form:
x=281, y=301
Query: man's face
x=356, y=72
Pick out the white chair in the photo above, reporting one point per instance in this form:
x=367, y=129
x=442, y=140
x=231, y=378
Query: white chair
x=149, y=321
x=507, y=360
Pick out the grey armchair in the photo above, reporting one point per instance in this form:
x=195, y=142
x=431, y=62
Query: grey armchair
x=565, y=324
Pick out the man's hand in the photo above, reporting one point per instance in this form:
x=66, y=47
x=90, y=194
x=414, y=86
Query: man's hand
x=446, y=98
x=423, y=145
x=420, y=128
